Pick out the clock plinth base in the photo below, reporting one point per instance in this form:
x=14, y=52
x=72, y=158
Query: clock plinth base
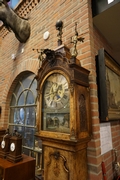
x=3, y=154
x=14, y=159
x=65, y=160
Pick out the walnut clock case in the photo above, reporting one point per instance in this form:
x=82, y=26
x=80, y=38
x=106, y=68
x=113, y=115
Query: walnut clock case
x=15, y=151
x=63, y=115
x=4, y=146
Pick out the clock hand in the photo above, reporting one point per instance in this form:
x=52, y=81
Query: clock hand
x=60, y=91
x=54, y=90
x=49, y=94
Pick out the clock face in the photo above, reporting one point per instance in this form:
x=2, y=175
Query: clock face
x=3, y=144
x=12, y=146
x=56, y=92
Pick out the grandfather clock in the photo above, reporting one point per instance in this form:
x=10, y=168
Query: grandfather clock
x=63, y=115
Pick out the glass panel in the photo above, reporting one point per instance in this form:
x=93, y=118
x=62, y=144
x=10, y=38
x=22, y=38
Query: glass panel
x=26, y=151
x=57, y=122
x=21, y=115
x=18, y=90
x=19, y=129
x=37, y=156
x=21, y=100
x=13, y=117
x=27, y=81
x=11, y=129
x=29, y=137
x=13, y=101
x=30, y=98
x=30, y=116
x=17, y=115
x=38, y=144
x=34, y=87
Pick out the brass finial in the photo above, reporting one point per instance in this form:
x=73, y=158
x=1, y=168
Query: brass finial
x=40, y=57
x=74, y=40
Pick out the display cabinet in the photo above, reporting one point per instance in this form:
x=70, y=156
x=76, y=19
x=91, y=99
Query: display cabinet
x=23, y=170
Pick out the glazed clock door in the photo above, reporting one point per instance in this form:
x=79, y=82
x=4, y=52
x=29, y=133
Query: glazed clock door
x=56, y=108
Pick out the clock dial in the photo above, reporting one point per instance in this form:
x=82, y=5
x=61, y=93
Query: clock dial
x=12, y=146
x=3, y=144
x=56, y=94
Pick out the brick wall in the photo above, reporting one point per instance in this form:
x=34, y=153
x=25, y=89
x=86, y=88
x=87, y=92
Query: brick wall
x=109, y=157
x=42, y=18
x=94, y=151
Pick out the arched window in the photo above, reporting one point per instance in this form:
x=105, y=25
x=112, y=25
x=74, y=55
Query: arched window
x=23, y=113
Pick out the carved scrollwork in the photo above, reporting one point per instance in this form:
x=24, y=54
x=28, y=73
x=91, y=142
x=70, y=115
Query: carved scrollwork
x=72, y=134
x=50, y=56
x=72, y=88
x=56, y=168
x=38, y=95
x=83, y=113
